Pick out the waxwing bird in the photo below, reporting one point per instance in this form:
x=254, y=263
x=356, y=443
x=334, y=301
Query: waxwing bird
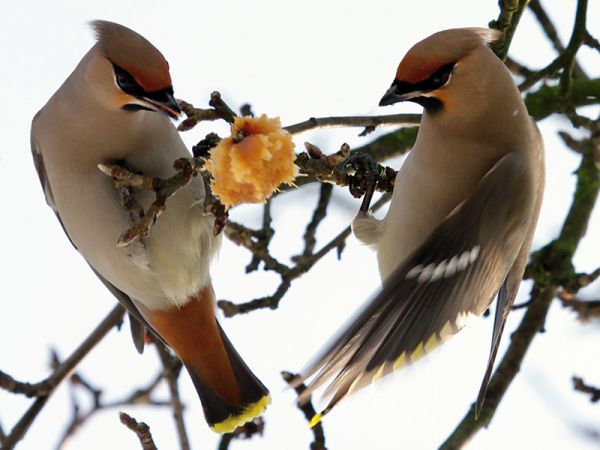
x=115, y=108
x=461, y=219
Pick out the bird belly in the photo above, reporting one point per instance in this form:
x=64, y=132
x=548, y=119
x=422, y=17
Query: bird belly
x=160, y=271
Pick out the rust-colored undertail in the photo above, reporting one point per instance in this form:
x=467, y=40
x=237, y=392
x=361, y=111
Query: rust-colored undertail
x=230, y=393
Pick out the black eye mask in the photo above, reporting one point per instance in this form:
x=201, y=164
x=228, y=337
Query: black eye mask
x=126, y=83
x=435, y=81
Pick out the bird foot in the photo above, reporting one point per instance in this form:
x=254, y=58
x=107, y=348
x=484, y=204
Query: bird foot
x=364, y=181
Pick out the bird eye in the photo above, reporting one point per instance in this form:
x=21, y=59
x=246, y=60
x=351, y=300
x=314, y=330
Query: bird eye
x=126, y=82
x=442, y=76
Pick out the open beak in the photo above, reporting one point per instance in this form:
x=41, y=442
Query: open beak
x=165, y=102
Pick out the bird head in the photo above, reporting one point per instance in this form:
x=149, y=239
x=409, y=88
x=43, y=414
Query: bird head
x=136, y=76
x=438, y=69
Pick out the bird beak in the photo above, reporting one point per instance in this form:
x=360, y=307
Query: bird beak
x=164, y=102
x=393, y=95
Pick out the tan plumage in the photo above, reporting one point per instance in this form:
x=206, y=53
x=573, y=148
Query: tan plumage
x=114, y=108
x=138, y=57
x=462, y=216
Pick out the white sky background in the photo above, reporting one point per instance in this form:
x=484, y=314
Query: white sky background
x=295, y=61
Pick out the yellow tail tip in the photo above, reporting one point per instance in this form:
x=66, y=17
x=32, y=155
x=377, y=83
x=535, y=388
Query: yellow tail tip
x=315, y=419
x=251, y=411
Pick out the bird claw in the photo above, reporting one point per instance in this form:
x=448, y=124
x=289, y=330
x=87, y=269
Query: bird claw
x=221, y=214
x=364, y=181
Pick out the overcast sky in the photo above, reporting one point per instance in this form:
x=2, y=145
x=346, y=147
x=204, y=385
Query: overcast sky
x=311, y=58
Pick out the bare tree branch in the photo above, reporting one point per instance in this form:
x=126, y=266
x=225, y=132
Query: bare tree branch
x=579, y=385
x=309, y=412
x=242, y=236
x=195, y=115
x=44, y=389
x=551, y=33
x=172, y=368
x=140, y=396
x=550, y=267
x=141, y=430
x=318, y=215
x=587, y=310
x=2, y=435
x=546, y=100
x=566, y=87
x=507, y=21
x=354, y=121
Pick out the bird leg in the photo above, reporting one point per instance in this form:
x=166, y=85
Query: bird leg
x=364, y=181
x=216, y=208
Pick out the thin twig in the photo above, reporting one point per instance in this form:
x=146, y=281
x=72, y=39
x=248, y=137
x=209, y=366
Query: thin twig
x=141, y=430
x=318, y=215
x=579, y=385
x=2, y=435
x=187, y=168
x=44, y=389
x=242, y=236
x=77, y=418
x=549, y=71
x=587, y=310
x=566, y=59
x=578, y=37
x=21, y=427
x=245, y=431
x=354, y=121
x=551, y=33
x=246, y=110
x=263, y=236
x=507, y=21
x=334, y=170
x=505, y=372
x=517, y=68
x=550, y=267
x=172, y=367
x=140, y=396
x=224, y=111
x=308, y=410
x=592, y=42
x=195, y=115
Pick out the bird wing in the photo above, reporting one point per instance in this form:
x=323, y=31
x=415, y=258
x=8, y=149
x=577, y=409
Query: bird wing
x=137, y=321
x=455, y=273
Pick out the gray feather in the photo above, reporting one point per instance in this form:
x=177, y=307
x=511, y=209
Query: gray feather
x=458, y=270
x=137, y=322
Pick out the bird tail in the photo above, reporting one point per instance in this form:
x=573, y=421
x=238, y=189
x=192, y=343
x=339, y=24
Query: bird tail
x=226, y=414
x=230, y=393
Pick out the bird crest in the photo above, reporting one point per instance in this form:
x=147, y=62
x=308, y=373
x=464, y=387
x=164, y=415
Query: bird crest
x=134, y=54
x=442, y=48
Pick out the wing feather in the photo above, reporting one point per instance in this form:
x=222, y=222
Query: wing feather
x=137, y=321
x=454, y=274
